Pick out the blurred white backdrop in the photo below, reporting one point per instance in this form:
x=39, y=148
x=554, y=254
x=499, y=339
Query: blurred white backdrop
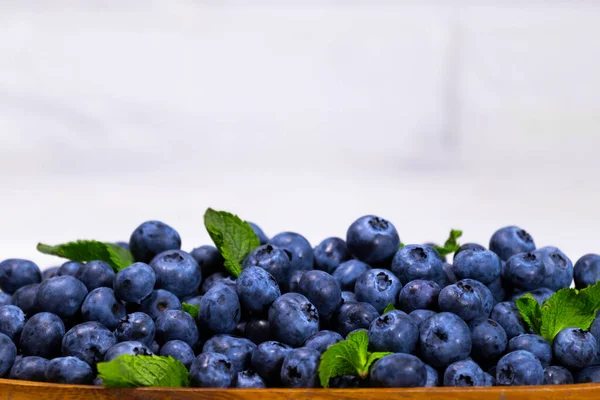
x=299, y=115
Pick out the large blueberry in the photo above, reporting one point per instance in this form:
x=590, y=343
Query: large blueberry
x=418, y=316
x=209, y=259
x=88, y=342
x=519, y=368
x=300, y=251
x=29, y=369
x=464, y=373
x=134, y=283
x=159, y=301
x=96, y=274
x=61, y=295
x=6, y=299
x=25, y=298
x=152, y=238
x=69, y=370
x=348, y=272
x=212, y=370
x=177, y=272
x=220, y=310
x=136, y=326
x=398, y=370
x=70, y=268
x=525, y=271
x=511, y=240
x=558, y=268
x=15, y=273
x=588, y=375
x=249, y=380
x=482, y=265
x=218, y=278
x=488, y=338
x=419, y=294
x=535, y=344
x=575, y=348
x=445, y=338
x=257, y=289
x=394, y=331
x=293, y=319
x=378, y=287
x=322, y=290
x=42, y=335
x=321, y=340
x=372, y=239
x=461, y=299
x=132, y=348
x=330, y=253
x=176, y=325
x=238, y=350
x=274, y=260
x=354, y=315
x=101, y=305
x=300, y=368
x=587, y=271
x=497, y=290
x=8, y=353
x=263, y=239
x=258, y=330
x=267, y=359
x=556, y=375
x=418, y=262
x=12, y=320
x=508, y=316
x=179, y=350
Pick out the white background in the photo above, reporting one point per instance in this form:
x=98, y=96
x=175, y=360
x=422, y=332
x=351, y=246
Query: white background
x=299, y=115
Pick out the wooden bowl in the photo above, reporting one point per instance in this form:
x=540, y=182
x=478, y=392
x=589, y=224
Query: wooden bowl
x=21, y=390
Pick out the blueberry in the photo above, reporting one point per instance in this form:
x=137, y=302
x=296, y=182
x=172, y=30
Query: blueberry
x=300, y=368
x=294, y=281
x=176, y=325
x=177, y=272
x=220, y=310
x=330, y=253
x=42, y=335
x=345, y=382
x=535, y=344
x=132, y=348
x=249, y=380
x=209, y=259
x=194, y=300
x=588, y=375
x=8, y=353
x=155, y=347
x=29, y=369
x=101, y=305
x=464, y=373
x=321, y=340
x=394, y=331
x=70, y=268
x=445, y=338
x=5, y=299
x=88, y=342
x=267, y=359
x=12, y=320
x=508, y=316
x=299, y=250
x=159, y=301
x=274, y=260
x=372, y=239
x=449, y=277
x=525, y=271
x=432, y=379
x=258, y=331
x=462, y=299
x=575, y=348
x=488, y=338
x=496, y=288
x=418, y=262
x=293, y=319
x=96, y=274
x=482, y=265
x=238, y=350
x=378, y=287
x=348, y=272
x=558, y=268
x=488, y=379
x=322, y=291
x=257, y=289
x=25, y=298
x=49, y=273
x=218, y=278
x=398, y=370
x=519, y=368
x=61, y=295
x=179, y=350
x=263, y=239
x=540, y=294
x=16, y=273
x=212, y=370
x=511, y=240
x=348, y=296
x=354, y=315
x=134, y=283
x=418, y=316
x=136, y=326
x=152, y=238
x=123, y=245
x=555, y=375
x=587, y=271
x=419, y=294
x=487, y=298
x=69, y=370
x=469, y=246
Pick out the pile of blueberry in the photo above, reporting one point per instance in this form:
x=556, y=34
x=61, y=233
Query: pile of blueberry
x=452, y=324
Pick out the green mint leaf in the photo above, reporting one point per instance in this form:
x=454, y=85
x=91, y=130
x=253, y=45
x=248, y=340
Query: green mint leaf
x=234, y=238
x=531, y=312
x=137, y=371
x=388, y=308
x=401, y=246
x=89, y=250
x=190, y=309
x=451, y=244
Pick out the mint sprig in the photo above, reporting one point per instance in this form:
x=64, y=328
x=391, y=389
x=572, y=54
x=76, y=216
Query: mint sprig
x=348, y=357
x=451, y=245
x=234, y=238
x=567, y=308
x=138, y=371
x=388, y=308
x=89, y=250
x=190, y=309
